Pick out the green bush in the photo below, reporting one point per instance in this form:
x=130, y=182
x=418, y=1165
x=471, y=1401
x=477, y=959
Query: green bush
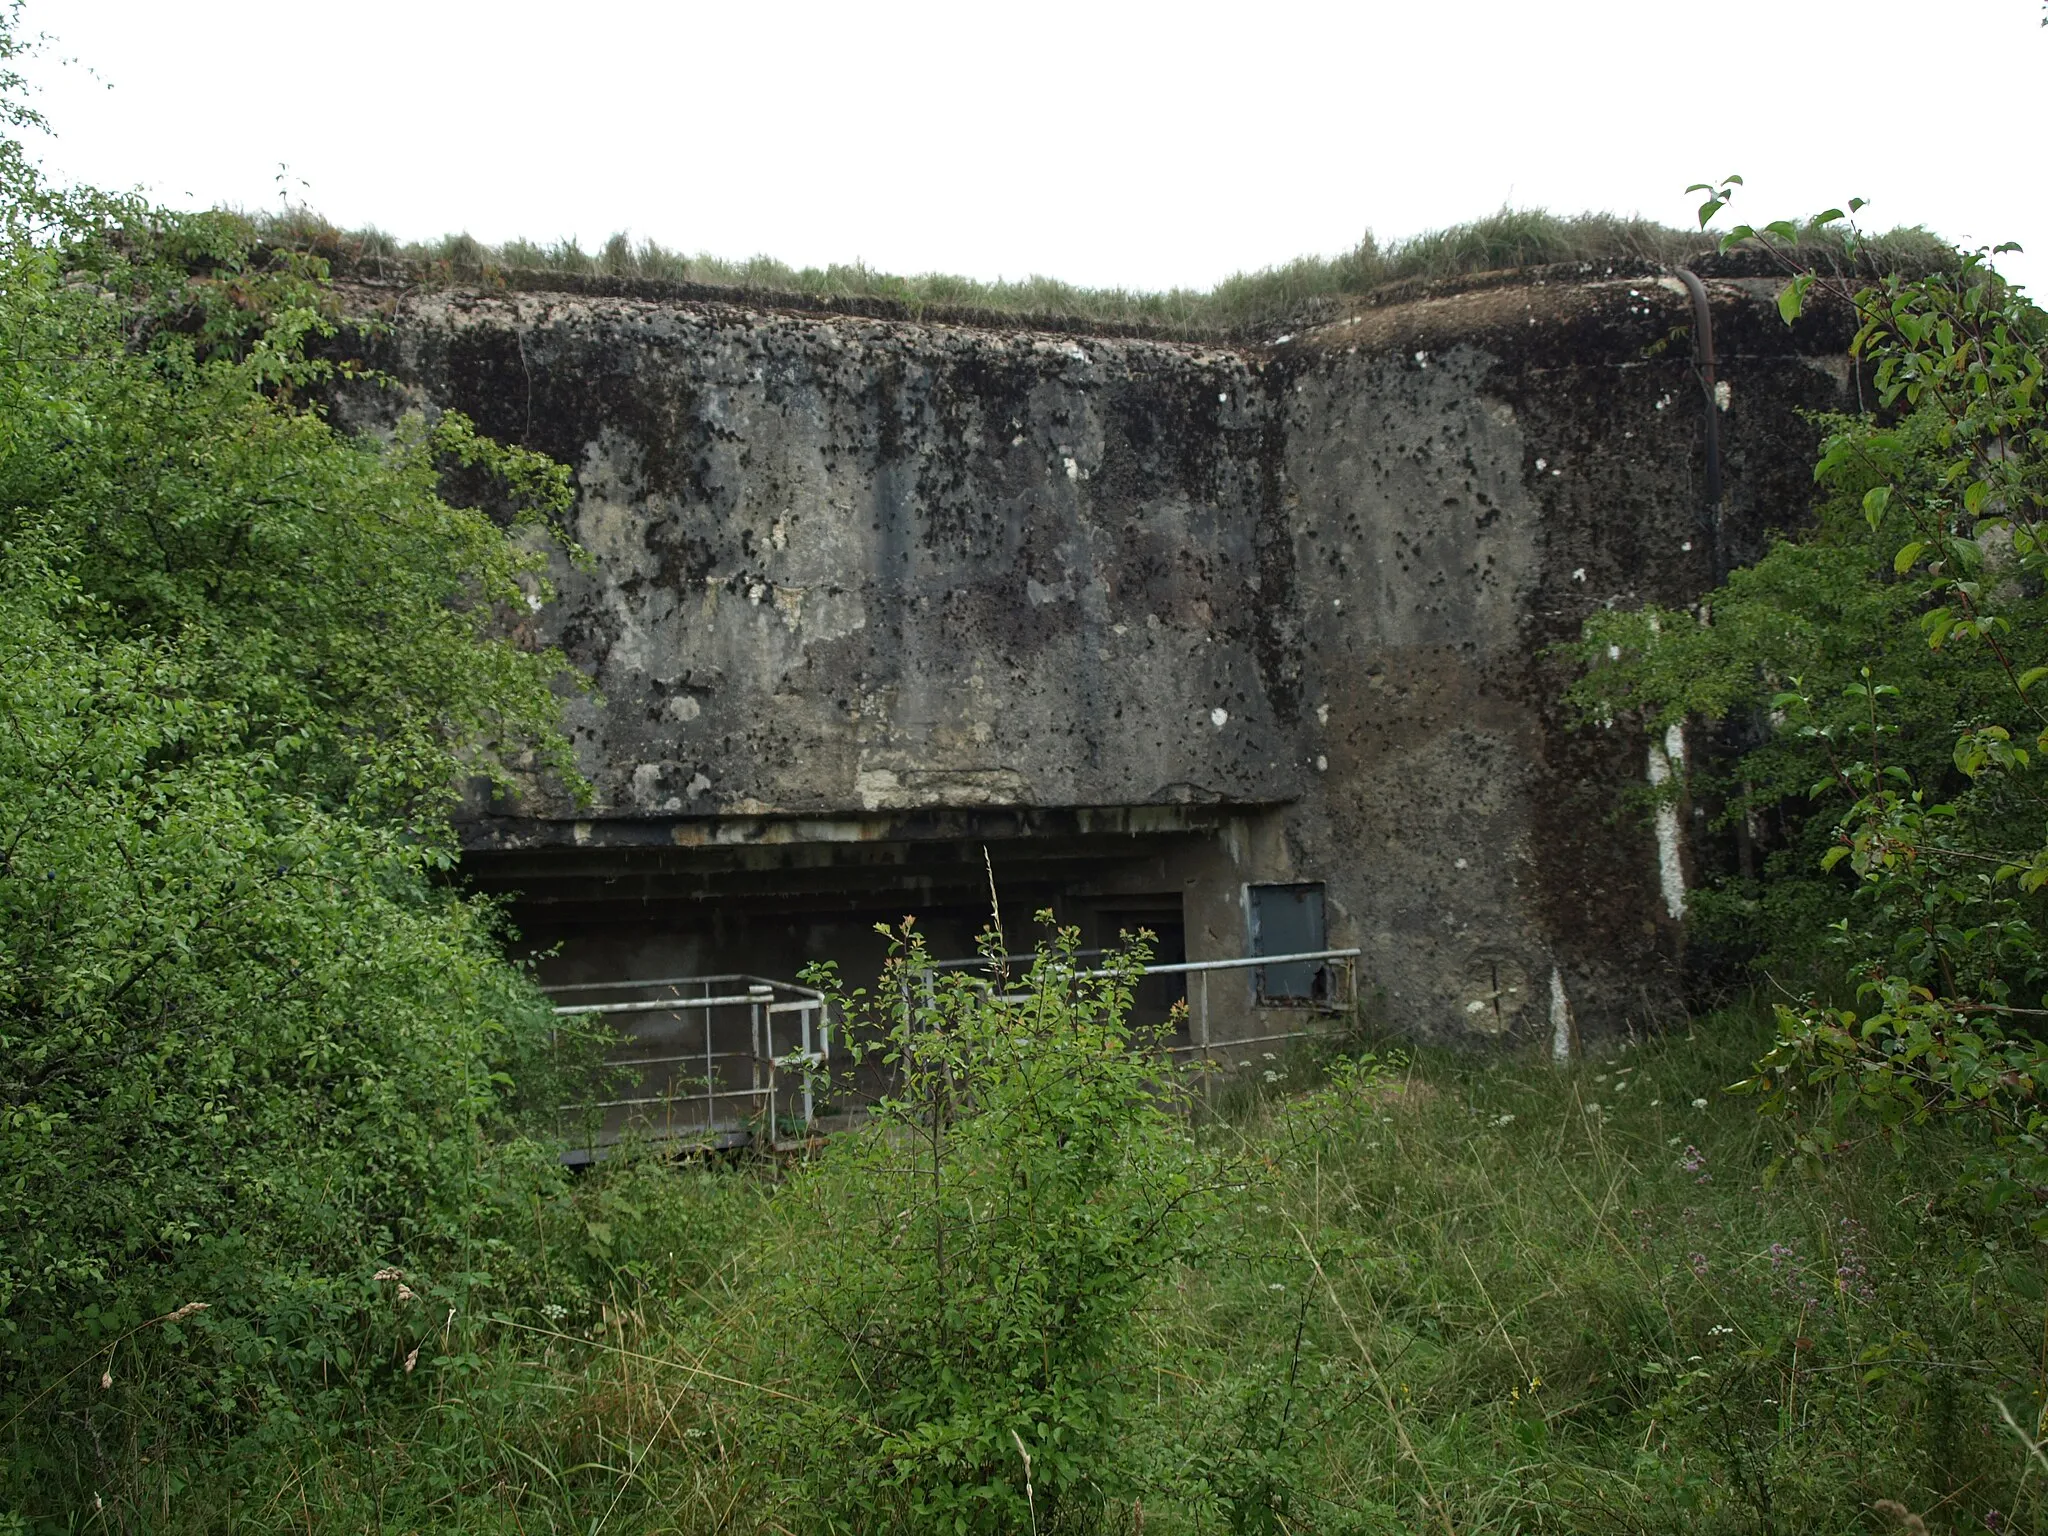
x=258, y=1059
x=964, y=1329
x=1883, y=667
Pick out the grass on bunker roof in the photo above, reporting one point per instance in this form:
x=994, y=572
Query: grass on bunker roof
x=1482, y=1295
x=1246, y=305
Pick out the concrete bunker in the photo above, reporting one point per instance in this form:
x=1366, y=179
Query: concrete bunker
x=1146, y=626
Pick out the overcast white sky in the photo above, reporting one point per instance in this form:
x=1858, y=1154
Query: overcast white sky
x=1110, y=142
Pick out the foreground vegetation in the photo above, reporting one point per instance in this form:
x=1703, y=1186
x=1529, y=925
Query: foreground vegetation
x=253, y=1046
x=1877, y=682
x=1453, y=1295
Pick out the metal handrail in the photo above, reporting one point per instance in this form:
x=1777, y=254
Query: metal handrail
x=809, y=1004
x=1198, y=1022
x=681, y=981
x=1237, y=963
x=971, y=961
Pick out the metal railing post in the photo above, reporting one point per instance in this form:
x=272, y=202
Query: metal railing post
x=710, y=1083
x=763, y=1024
x=754, y=1065
x=810, y=1109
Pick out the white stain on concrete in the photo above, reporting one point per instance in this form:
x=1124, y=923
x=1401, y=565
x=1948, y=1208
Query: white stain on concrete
x=1666, y=760
x=1219, y=717
x=1560, y=1019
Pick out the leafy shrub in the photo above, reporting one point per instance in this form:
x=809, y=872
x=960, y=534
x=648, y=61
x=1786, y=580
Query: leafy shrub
x=1888, y=664
x=964, y=1328
x=253, y=1048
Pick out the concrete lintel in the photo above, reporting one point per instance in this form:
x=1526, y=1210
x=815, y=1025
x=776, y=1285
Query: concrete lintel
x=948, y=824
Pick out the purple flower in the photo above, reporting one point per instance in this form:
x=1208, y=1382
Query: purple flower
x=1852, y=1276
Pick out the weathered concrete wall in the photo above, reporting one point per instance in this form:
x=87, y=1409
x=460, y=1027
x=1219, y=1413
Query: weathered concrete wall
x=845, y=564
x=1475, y=476
x=851, y=569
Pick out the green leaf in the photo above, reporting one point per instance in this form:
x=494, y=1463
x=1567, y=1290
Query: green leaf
x=1902, y=562
x=1875, y=500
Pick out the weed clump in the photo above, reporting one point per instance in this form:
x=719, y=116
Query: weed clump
x=966, y=1334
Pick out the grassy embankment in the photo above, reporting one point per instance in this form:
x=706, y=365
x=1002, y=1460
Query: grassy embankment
x=1484, y=1296
x=1238, y=305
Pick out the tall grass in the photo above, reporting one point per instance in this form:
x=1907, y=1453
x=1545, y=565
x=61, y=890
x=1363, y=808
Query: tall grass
x=1466, y=1296
x=1244, y=303
x=1579, y=1302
